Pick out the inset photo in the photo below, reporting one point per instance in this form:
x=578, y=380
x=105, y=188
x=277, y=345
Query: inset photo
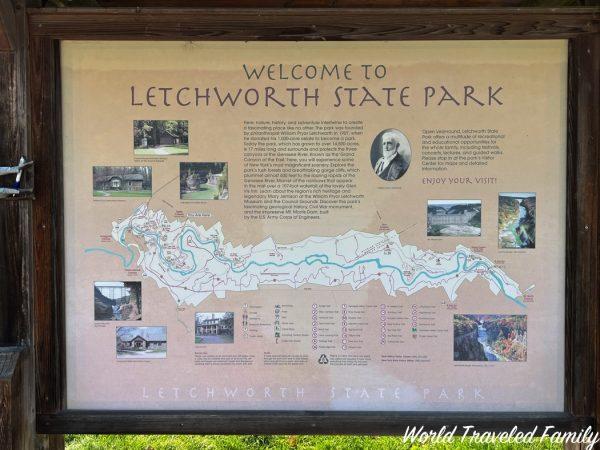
x=454, y=218
x=203, y=181
x=516, y=220
x=390, y=154
x=214, y=328
x=122, y=181
x=160, y=137
x=141, y=342
x=118, y=300
x=490, y=337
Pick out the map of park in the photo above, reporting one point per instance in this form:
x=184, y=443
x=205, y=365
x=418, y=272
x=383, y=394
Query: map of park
x=193, y=262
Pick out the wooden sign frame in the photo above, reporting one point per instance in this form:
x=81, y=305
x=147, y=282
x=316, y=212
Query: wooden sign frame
x=582, y=340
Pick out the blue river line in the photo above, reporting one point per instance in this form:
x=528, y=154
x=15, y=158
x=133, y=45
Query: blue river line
x=310, y=260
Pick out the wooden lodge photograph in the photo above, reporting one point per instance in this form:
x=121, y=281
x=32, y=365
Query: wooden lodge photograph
x=122, y=181
x=118, y=300
x=214, y=328
x=160, y=137
x=141, y=342
x=203, y=181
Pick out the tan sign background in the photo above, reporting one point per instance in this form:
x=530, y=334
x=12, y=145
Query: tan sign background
x=97, y=131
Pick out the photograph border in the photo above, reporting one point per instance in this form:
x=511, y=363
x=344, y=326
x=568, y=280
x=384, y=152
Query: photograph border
x=193, y=200
x=101, y=197
x=481, y=202
x=140, y=358
x=151, y=155
x=481, y=360
x=214, y=312
x=498, y=222
x=410, y=148
x=119, y=320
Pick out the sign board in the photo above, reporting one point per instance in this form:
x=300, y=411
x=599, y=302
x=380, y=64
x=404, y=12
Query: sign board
x=331, y=226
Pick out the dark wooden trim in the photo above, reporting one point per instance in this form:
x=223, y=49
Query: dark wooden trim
x=582, y=313
x=308, y=3
x=16, y=262
x=288, y=422
x=592, y=136
x=312, y=24
x=47, y=224
x=11, y=395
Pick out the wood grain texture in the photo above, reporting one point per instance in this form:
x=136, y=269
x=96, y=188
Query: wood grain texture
x=9, y=359
x=8, y=219
x=5, y=44
x=8, y=35
x=15, y=234
x=582, y=311
x=594, y=143
x=47, y=224
x=308, y=3
x=312, y=24
x=286, y=422
x=12, y=394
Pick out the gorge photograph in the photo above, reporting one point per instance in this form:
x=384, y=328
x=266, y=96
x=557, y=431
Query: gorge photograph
x=490, y=337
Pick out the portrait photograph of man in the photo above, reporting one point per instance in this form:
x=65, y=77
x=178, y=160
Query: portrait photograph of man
x=390, y=154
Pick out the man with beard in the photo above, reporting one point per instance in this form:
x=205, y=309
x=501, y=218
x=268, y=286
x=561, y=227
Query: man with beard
x=393, y=162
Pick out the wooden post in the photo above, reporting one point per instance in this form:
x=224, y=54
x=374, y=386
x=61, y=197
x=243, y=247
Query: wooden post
x=17, y=382
x=10, y=397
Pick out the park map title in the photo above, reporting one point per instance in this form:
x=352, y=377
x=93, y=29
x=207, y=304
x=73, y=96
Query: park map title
x=306, y=97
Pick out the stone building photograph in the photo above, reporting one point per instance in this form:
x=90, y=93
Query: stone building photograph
x=214, y=328
x=141, y=342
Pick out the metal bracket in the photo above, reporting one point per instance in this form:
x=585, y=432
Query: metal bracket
x=14, y=191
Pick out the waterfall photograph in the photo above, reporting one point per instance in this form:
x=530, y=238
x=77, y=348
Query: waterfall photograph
x=490, y=337
x=516, y=220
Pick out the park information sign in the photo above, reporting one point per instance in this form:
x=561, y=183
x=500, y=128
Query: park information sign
x=315, y=226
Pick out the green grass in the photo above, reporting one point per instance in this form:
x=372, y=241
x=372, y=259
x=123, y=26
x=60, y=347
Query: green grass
x=181, y=149
x=258, y=442
x=122, y=193
x=204, y=192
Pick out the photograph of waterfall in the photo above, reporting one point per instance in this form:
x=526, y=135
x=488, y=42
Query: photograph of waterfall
x=516, y=220
x=490, y=337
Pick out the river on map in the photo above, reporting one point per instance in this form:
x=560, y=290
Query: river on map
x=482, y=337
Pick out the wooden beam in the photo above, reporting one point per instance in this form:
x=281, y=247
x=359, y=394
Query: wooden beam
x=16, y=264
x=294, y=422
x=308, y=3
x=583, y=226
x=10, y=396
x=312, y=24
x=47, y=224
